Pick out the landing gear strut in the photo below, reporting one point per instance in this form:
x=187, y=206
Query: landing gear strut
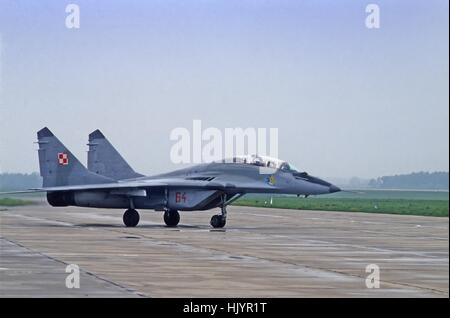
x=131, y=218
x=171, y=218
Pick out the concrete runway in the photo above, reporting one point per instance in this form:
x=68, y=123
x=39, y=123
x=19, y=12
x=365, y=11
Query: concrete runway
x=261, y=253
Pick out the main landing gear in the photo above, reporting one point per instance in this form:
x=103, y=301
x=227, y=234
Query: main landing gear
x=131, y=218
x=171, y=218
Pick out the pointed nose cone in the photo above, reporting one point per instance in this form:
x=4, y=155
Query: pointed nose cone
x=334, y=189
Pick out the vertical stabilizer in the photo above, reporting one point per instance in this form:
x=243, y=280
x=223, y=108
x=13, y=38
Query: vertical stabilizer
x=105, y=160
x=59, y=167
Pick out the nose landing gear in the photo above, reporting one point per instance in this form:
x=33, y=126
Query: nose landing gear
x=219, y=221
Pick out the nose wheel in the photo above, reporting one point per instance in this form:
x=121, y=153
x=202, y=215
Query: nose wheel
x=219, y=221
x=171, y=218
x=131, y=218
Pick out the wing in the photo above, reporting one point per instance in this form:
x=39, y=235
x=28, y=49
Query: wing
x=241, y=185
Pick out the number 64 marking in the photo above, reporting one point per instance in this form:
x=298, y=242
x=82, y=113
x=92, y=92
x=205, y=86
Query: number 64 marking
x=180, y=197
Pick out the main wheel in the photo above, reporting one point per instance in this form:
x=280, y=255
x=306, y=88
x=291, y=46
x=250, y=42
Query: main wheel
x=171, y=218
x=217, y=221
x=131, y=218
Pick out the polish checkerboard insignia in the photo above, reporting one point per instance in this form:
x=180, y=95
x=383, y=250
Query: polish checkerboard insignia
x=271, y=180
x=63, y=159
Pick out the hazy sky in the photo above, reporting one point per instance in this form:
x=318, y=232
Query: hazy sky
x=347, y=100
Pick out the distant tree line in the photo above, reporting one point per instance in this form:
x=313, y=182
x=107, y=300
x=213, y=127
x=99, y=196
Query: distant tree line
x=416, y=180
x=19, y=181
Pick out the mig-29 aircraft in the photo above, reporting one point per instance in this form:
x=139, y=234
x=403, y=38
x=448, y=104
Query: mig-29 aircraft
x=110, y=182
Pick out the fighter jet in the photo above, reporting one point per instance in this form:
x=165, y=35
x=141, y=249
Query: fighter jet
x=110, y=182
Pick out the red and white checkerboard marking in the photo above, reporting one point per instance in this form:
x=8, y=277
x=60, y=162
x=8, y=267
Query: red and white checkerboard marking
x=63, y=159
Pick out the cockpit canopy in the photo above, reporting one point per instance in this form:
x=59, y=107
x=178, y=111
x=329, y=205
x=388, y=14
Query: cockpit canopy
x=265, y=161
x=262, y=161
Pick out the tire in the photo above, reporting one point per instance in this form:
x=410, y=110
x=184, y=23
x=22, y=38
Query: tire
x=131, y=218
x=171, y=218
x=217, y=221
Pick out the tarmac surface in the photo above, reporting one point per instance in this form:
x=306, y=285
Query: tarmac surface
x=262, y=252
